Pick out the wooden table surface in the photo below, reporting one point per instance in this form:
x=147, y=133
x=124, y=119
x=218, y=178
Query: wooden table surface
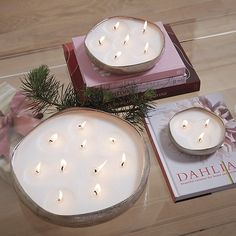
x=31, y=34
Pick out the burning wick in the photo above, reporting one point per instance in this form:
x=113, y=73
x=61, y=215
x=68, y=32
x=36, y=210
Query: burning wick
x=144, y=27
x=60, y=196
x=63, y=165
x=83, y=144
x=97, y=189
x=116, y=26
x=185, y=124
x=123, y=159
x=101, y=40
x=207, y=122
x=200, y=137
x=113, y=140
x=38, y=168
x=146, y=47
x=118, y=54
x=82, y=125
x=98, y=169
x=53, y=138
x=126, y=39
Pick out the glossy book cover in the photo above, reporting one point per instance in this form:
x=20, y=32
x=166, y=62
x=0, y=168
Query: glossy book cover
x=190, y=176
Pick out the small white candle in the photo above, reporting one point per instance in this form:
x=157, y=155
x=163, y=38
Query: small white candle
x=100, y=41
x=126, y=39
x=63, y=165
x=146, y=47
x=144, y=26
x=117, y=55
x=196, y=139
x=112, y=140
x=116, y=26
x=60, y=196
x=82, y=125
x=83, y=144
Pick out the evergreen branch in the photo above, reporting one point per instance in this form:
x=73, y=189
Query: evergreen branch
x=46, y=92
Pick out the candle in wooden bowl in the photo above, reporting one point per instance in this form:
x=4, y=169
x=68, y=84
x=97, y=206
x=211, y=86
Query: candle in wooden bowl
x=197, y=131
x=80, y=167
x=125, y=44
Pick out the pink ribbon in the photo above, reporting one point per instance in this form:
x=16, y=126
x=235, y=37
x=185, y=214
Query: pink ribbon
x=20, y=118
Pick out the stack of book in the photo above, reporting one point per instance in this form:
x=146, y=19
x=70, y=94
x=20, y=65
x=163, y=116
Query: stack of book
x=172, y=75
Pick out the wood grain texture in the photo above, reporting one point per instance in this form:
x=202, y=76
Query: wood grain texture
x=31, y=33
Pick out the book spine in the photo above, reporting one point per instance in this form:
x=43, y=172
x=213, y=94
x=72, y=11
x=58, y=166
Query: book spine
x=140, y=79
x=158, y=84
x=73, y=67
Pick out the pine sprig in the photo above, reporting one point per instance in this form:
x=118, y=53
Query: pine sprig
x=46, y=93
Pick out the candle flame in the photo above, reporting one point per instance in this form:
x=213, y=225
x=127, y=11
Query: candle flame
x=207, y=122
x=63, y=165
x=38, y=168
x=101, y=40
x=97, y=189
x=99, y=168
x=126, y=39
x=60, y=196
x=146, y=47
x=82, y=125
x=200, y=138
x=184, y=124
x=116, y=26
x=118, y=54
x=123, y=160
x=53, y=138
x=83, y=144
x=144, y=27
x=112, y=140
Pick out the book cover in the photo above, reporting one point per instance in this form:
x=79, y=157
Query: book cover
x=170, y=65
x=190, y=176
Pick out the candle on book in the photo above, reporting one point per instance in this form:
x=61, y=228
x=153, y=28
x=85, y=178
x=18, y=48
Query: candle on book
x=132, y=45
x=94, y=142
x=197, y=131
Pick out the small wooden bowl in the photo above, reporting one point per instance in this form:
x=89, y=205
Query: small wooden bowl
x=126, y=67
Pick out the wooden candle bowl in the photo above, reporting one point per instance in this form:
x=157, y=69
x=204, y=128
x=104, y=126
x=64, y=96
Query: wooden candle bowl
x=203, y=151
x=141, y=66
x=90, y=218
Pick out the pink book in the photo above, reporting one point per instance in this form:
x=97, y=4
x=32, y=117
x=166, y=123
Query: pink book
x=170, y=65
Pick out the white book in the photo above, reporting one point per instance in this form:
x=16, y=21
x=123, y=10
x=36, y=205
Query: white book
x=190, y=176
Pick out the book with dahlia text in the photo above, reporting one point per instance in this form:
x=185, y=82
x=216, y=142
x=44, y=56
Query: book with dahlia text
x=191, y=176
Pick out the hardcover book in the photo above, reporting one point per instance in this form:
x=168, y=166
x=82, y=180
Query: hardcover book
x=190, y=176
x=170, y=65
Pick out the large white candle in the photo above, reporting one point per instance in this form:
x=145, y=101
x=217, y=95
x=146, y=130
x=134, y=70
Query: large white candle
x=64, y=178
x=197, y=131
x=125, y=44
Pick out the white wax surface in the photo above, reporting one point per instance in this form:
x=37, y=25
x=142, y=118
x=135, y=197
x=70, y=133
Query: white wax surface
x=188, y=137
x=78, y=179
x=133, y=51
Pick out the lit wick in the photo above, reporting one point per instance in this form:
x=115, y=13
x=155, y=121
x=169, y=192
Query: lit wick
x=144, y=27
x=146, y=47
x=113, y=140
x=126, y=39
x=97, y=189
x=60, y=196
x=98, y=169
x=185, y=124
x=38, y=168
x=207, y=122
x=118, y=54
x=82, y=125
x=100, y=41
x=123, y=159
x=53, y=138
x=200, y=137
x=63, y=165
x=83, y=144
x=115, y=27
